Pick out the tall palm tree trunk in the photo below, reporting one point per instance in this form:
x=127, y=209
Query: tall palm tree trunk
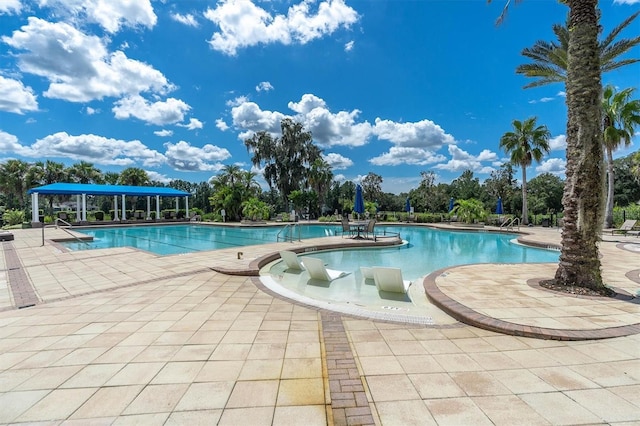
x=608, y=218
x=525, y=205
x=583, y=195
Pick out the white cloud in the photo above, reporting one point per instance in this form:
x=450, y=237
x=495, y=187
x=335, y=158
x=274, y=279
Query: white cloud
x=163, y=133
x=92, y=111
x=15, y=97
x=556, y=166
x=78, y=66
x=10, y=6
x=249, y=116
x=96, y=149
x=348, y=47
x=398, y=155
x=193, y=124
x=109, y=14
x=562, y=94
x=220, y=124
x=462, y=160
x=159, y=113
x=9, y=143
x=237, y=101
x=423, y=134
x=264, y=86
x=188, y=19
x=558, y=143
x=337, y=161
x=244, y=24
x=158, y=177
x=185, y=157
x=627, y=1
x=541, y=100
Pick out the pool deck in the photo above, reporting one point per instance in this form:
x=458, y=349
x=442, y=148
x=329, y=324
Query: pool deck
x=121, y=336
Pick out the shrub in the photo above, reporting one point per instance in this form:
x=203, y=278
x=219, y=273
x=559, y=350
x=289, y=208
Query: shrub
x=13, y=217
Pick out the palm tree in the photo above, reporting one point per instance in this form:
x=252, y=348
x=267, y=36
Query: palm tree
x=13, y=182
x=134, y=176
x=84, y=172
x=550, y=58
x=45, y=174
x=621, y=116
x=525, y=144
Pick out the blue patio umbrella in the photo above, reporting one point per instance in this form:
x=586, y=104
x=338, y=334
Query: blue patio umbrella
x=407, y=206
x=451, y=203
x=499, y=206
x=358, y=206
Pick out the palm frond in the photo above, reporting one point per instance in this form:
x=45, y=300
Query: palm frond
x=617, y=30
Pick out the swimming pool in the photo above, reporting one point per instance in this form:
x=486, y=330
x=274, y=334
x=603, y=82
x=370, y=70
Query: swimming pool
x=189, y=238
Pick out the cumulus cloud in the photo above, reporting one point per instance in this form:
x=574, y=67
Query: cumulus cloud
x=96, y=149
x=558, y=143
x=9, y=7
x=541, y=100
x=10, y=143
x=109, y=14
x=193, y=124
x=15, y=97
x=243, y=24
x=159, y=113
x=220, y=124
x=264, y=86
x=158, y=177
x=462, y=160
x=337, y=161
x=188, y=19
x=398, y=155
x=78, y=66
x=348, y=47
x=421, y=134
x=556, y=166
x=92, y=111
x=163, y=133
x=183, y=156
x=250, y=117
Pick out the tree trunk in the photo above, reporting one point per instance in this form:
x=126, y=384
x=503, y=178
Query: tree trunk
x=608, y=218
x=584, y=186
x=525, y=205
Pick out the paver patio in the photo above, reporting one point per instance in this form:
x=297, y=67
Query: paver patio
x=122, y=336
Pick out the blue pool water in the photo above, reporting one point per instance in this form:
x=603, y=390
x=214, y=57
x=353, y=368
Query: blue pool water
x=427, y=249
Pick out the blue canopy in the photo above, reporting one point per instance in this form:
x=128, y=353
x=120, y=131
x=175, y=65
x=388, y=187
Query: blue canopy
x=407, y=205
x=94, y=189
x=499, y=206
x=358, y=206
x=451, y=204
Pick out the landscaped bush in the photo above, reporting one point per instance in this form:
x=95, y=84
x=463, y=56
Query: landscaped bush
x=620, y=214
x=13, y=217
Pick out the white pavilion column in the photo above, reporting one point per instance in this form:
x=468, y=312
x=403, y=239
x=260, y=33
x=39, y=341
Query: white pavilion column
x=177, y=204
x=157, y=207
x=84, y=207
x=115, y=208
x=35, y=217
x=78, y=217
x=124, y=209
x=148, y=207
x=186, y=206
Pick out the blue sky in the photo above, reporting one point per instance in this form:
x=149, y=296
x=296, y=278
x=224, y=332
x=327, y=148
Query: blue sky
x=393, y=87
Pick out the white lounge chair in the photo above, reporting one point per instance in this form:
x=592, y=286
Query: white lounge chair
x=390, y=279
x=625, y=228
x=292, y=260
x=317, y=271
x=367, y=272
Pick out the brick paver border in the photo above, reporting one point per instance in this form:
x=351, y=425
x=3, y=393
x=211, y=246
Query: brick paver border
x=22, y=291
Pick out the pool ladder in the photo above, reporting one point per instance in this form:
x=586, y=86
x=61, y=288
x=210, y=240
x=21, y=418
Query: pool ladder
x=288, y=233
x=515, y=222
x=68, y=225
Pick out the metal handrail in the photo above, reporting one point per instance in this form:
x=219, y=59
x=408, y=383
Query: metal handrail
x=55, y=224
x=515, y=222
x=289, y=235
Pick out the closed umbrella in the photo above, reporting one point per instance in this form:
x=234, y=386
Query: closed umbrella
x=499, y=206
x=451, y=203
x=358, y=206
x=407, y=206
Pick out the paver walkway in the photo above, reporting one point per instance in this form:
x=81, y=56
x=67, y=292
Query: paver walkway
x=121, y=336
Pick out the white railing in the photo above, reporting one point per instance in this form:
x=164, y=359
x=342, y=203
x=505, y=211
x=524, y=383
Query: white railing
x=56, y=225
x=513, y=223
x=288, y=233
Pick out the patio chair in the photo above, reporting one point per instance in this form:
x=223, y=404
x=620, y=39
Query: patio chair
x=625, y=228
x=346, y=228
x=367, y=272
x=317, y=271
x=390, y=279
x=292, y=260
x=368, y=232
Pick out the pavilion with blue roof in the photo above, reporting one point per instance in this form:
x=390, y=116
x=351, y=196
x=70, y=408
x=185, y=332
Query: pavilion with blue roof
x=81, y=190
